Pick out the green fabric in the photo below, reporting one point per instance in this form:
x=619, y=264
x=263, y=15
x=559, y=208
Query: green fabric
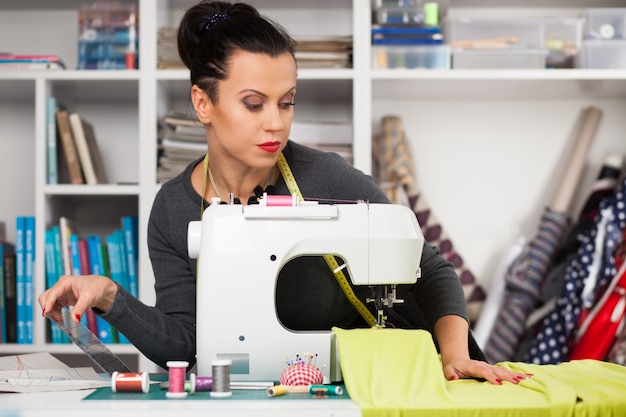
x=396, y=372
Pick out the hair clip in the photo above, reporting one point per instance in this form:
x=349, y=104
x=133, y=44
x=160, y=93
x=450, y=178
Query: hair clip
x=209, y=22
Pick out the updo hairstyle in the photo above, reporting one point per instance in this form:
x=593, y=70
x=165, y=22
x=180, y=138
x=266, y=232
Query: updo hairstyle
x=212, y=31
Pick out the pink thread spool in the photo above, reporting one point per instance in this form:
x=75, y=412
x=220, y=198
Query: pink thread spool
x=280, y=200
x=177, y=370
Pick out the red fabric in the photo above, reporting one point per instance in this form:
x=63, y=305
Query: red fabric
x=606, y=319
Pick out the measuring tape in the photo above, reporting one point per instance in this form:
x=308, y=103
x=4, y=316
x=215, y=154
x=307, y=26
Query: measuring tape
x=292, y=185
x=88, y=342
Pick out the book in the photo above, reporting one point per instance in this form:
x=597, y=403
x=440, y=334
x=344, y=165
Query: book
x=19, y=62
x=88, y=152
x=5, y=249
x=68, y=145
x=97, y=260
x=10, y=296
x=65, y=231
x=130, y=226
x=94, y=152
x=76, y=263
x=117, y=270
x=3, y=332
x=52, y=247
x=29, y=276
x=20, y=277
x=85, y=269
x=22, y=64
x=76, y=123
x=51, y=141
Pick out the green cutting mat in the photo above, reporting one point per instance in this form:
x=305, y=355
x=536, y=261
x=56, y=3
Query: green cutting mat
x=158, y=393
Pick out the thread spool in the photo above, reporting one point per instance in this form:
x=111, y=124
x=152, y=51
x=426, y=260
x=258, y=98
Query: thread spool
x=200, y=383
x=279, y=200
x=324, y=390
x=130, y=382
x=177, y=370
x=220, y=371
x=431, y=14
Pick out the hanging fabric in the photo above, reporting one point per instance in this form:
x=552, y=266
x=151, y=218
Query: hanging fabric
x=594, y=261
x=526, y=275
x=395, y=174
x=603, y=324
x=604, y=186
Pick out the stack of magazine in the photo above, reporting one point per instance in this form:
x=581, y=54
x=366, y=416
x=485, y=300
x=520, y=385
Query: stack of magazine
x=311, y=52
x=182, y=140
x=324, y=52
x=26, y=62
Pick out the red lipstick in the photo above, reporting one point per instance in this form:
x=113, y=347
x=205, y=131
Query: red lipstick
x=270, y=147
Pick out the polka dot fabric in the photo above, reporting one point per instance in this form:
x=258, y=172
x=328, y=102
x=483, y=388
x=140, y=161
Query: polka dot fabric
x=594, y=266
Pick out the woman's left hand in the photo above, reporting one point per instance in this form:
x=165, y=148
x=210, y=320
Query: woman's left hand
x=470, y=368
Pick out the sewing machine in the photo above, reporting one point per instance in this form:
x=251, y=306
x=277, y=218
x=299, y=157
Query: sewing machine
x=241, y=250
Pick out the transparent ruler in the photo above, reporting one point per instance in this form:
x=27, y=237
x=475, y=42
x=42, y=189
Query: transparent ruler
x=102, y=357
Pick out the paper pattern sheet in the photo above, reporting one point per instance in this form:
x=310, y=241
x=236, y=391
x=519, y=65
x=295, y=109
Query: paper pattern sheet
x=42, y=372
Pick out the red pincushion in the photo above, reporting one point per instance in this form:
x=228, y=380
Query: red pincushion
x=301, y=374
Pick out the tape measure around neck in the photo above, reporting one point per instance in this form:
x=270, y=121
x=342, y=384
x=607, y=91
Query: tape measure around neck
x=292, y=185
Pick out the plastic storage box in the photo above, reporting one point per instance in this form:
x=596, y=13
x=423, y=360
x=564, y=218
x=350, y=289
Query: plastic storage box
x=499, y=59
x=602, y=55
x=562, y=39
x=495, y=33
x=411, y=56
x=107, y=36
x=606, y=23
x=496, y=43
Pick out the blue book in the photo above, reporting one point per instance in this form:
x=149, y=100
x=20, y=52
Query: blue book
x=130, y=226
x=115, y=257
x=406, y=30
x=99, y=267
x=51, y=141
x=20, y=277
x=29, y=271
x=76, y=264
x=52, y=248
x=74, y=254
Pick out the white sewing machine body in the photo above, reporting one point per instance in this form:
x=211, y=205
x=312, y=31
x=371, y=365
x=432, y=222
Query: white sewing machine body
x=241, y=250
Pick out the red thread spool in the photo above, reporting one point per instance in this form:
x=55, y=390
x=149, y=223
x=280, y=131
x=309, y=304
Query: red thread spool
x=177, y=370
x=130, y=382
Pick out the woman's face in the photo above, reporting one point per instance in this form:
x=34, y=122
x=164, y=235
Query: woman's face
x=251, y=120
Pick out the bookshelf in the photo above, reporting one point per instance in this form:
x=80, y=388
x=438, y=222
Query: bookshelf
x=489, y=145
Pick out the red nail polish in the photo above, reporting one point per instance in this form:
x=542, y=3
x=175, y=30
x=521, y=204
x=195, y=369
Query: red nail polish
x=43, y=313
x=77, y=316
x=498, y=381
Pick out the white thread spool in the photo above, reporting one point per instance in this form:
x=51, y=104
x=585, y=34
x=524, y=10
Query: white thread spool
x=220, y=371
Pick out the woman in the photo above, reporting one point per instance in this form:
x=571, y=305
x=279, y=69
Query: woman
x=243, y=76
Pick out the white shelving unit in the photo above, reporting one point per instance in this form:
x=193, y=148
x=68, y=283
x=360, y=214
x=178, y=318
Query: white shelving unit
x=489, y=145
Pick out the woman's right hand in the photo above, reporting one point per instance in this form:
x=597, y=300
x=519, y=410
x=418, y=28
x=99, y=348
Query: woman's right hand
x=81, y=292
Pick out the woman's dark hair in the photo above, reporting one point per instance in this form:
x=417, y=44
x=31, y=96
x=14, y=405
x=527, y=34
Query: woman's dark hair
x=212, y=31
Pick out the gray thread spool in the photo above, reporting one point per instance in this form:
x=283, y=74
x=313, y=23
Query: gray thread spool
x=220, y=371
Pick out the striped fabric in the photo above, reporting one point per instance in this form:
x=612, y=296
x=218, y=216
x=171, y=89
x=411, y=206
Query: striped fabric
x=395, y=174
x=523, y=286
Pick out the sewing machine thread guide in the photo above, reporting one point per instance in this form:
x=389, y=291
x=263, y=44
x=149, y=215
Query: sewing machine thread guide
x=81, y=336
